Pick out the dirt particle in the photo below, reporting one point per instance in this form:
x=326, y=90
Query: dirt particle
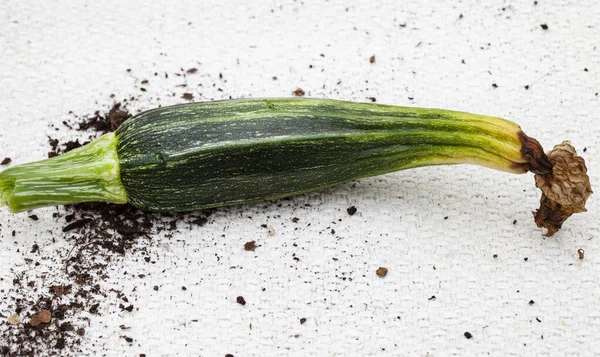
x=229, y=355
x=60, y=290
x=183, y=288
x=295, y=219
x=34, y=217
x=77, y=224
x=127, y=338
x=240, y=300
x=302, y=321
x=526, y=87
x=351, y=210
x=494, y=85
x=381, y=272
x=42, y=316
x=372, y=59
x=581, y=253
x=299, y=92
x=187, y=96
x=526, y=259
x=6, y=161
x=274, y=78
x=14, y=319
x=60, y=343
x=66, y=327
x=250, y=246
x=531, y=302
x=432, y=298
x=468, y=335
x=544, y=26
x=192, y=70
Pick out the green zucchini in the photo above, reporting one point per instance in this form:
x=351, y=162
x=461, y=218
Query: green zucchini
x=201, y=155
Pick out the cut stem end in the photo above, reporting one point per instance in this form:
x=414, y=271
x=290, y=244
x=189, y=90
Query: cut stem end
x=89, y=173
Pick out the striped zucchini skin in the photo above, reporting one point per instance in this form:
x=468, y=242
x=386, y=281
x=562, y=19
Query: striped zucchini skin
x=203, y=155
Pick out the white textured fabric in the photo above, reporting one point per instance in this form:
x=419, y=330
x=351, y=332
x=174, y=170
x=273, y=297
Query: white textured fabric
x=477, y=56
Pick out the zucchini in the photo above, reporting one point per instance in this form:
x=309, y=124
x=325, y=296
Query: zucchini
x=202, y=155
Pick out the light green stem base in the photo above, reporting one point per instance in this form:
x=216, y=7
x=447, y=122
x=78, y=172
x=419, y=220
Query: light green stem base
x=88, y=173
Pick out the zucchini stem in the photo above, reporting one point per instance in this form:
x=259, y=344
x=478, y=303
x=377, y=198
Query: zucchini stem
x=88, y=173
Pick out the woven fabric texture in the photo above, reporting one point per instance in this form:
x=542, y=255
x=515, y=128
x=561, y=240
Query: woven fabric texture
x=461, y=248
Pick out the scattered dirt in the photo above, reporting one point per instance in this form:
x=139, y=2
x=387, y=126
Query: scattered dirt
x=250, y=246
x=6, y=161
x=302, y=321
x=99, y=236
x=581, y=253
x=105, y=123
x=192, y=70
x=531, y=302
x=240, y=300
x=299, y=92
x=544, y=26
x=468, y=335
x=187, y=96
x=381, y=272
x=372, y=59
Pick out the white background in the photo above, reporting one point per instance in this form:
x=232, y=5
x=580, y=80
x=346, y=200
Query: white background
x=60, y=56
